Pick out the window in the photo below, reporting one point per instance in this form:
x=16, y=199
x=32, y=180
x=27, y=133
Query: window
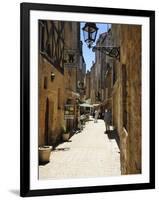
x=51, y=42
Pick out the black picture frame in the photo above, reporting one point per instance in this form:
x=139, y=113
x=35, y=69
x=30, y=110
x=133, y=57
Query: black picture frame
x=25, y=9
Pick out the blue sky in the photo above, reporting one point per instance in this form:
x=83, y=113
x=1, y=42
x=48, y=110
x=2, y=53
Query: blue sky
x=89, y=56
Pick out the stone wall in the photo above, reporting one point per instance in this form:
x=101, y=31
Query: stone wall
x=51, y=100
x=93, y=84
x=54, y=93
x=72, y=42
x=127, y=96
x=88, y=80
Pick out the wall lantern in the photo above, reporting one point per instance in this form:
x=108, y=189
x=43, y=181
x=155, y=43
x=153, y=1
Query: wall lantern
x=52, y=76
x=90, y=32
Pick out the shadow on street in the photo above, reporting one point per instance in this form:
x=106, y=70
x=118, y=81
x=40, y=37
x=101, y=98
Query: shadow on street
x=113, y=135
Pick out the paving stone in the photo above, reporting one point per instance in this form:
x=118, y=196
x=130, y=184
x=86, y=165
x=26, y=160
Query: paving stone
x=88, y=154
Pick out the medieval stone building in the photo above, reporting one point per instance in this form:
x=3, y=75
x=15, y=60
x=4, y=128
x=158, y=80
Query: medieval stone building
x=72, y=63
x=81, y=72
x=126, y=99
x=59, y=60
x=51, y=80
x=93, y=84
x=88, y=85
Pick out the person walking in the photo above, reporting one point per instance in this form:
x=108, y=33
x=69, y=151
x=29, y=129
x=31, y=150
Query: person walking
x=107, y=119
x=96, y=116
x=79, y=122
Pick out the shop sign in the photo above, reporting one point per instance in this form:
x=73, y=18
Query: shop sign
x=70, y=58
x=69, y=111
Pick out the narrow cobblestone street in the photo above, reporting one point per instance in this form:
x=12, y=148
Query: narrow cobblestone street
x=89, y=153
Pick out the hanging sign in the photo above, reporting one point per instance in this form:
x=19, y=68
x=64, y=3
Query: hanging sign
x=70, y=58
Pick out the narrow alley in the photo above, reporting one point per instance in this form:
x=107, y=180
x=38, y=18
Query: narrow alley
x=89, y=69
x=90, y=153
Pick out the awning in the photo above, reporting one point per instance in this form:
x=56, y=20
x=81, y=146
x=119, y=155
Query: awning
x=86, y=105
x=94, y=105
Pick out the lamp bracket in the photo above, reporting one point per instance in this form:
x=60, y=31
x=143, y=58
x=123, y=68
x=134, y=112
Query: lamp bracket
x=113, y=52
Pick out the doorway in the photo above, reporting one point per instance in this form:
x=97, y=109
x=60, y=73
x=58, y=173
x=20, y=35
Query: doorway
x=46, y=134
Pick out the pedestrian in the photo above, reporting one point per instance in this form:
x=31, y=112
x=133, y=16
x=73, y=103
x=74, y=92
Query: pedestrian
x=79, y=122
x=93, y=113
x=107, y=119
x=96, y=116
x=103, y=114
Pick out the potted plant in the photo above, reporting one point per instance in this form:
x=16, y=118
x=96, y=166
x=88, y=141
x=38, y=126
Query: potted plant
x=65, y=133
x=44, y=153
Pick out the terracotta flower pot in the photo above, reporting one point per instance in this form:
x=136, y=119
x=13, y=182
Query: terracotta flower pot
x=44, y=154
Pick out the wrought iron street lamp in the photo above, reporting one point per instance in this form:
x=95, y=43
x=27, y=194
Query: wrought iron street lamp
x=90, y=32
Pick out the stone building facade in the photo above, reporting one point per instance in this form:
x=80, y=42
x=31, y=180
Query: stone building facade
x=81, y=74
x=106, y=66
x=88, y=85
x=59, y=60
x=126, y=98
x=72, y=49
x=51, y=81
x=93, y=84
x=101, y=74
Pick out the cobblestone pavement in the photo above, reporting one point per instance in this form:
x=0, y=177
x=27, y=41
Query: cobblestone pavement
x=88, y=154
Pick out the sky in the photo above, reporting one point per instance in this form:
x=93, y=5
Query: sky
x=89, y=56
